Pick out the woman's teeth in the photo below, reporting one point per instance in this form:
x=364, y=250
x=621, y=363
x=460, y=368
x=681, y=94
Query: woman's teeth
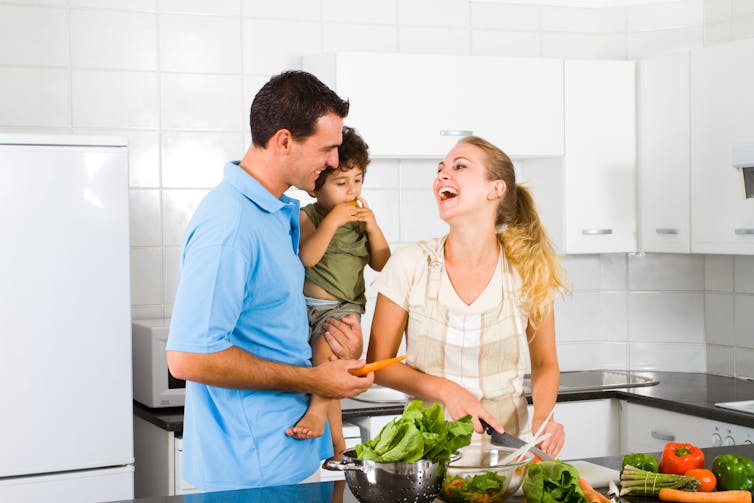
x=447, y=193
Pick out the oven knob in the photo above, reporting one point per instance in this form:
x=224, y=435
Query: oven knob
x=717, y=440
x=729, y=440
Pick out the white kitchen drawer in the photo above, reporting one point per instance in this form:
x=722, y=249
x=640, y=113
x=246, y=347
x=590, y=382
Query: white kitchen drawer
x=181, y=486
x=352, y=436
x=647, y=429
x=371, y=426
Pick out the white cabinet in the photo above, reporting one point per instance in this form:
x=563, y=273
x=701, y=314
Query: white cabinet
x=586, y=199
x=647, y=429
x=416, y=105
x=722, y=115
x=370, y=426
x=663, y=154
x=591, y=428
x=158, y=461
x=600, y=157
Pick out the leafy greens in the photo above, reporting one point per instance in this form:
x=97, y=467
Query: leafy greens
x=552, y=482
x=418, y=434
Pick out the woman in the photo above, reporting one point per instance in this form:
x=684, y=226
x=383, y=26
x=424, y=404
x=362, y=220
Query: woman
x=472, y=303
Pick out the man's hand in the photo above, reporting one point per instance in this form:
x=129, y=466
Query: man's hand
x=332, y=379
x=344, y=337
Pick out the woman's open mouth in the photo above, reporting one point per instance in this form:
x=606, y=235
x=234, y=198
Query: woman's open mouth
x=446, y=193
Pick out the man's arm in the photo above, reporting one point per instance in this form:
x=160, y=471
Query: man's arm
x=239, y=369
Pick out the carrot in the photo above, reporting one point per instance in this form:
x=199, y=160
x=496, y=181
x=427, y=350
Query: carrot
x=592, y=495
x=374, y=366
x=697, y=497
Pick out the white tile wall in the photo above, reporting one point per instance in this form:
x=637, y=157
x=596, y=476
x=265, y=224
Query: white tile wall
x=115, y=99
x=176, y=77
x=114, y=39
x=203, y=44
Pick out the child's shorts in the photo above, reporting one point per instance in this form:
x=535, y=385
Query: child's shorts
x=319, y=310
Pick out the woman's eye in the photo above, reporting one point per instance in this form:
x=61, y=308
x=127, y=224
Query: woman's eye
x=460, y=165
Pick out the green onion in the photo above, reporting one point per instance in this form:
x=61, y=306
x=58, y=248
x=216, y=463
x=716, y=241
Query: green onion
x=644, y=483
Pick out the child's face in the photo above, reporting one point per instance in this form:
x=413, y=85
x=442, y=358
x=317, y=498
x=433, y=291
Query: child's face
x=340, y=187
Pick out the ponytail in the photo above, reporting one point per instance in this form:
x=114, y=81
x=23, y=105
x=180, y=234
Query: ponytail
x=522, y=235
x=530, y=251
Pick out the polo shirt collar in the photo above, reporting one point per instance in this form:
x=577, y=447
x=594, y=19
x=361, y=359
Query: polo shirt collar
x=254, y=191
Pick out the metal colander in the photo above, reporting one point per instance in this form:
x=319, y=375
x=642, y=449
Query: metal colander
x=378, y=482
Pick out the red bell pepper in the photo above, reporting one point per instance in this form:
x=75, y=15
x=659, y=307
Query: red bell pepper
x=678, y=458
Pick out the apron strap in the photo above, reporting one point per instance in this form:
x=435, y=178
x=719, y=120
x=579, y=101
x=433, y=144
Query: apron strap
x=434, y=262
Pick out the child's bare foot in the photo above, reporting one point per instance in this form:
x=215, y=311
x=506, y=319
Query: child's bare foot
x=311, y=425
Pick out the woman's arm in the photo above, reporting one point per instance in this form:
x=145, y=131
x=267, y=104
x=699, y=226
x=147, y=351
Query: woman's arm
x=388, y=325
x=545, y=379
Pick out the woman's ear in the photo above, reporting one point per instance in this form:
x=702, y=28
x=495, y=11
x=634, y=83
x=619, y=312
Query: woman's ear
x=497, y=191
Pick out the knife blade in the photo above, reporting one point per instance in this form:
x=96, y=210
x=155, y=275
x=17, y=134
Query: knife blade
x=505, y=439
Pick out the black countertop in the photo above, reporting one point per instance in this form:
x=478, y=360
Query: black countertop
x=683, y=392
x=338, y=492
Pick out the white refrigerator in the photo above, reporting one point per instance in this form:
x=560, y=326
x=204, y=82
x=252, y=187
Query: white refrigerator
x=65, y=339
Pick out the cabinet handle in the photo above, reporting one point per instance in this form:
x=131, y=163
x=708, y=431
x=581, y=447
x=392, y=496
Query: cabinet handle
x=662, y=436
x=744, y=232
x=456, y=132
x=666, y=230
x=596, y=232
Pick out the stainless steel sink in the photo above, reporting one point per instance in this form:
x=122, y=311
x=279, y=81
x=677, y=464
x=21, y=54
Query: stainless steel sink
x=740, y=406
x=584, y=380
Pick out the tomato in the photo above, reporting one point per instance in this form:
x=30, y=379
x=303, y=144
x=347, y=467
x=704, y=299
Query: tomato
x=706, y=477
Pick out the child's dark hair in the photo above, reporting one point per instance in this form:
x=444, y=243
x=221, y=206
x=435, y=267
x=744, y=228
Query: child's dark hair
x=353, y=152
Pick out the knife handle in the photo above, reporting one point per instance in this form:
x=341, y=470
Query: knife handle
x=487, y=427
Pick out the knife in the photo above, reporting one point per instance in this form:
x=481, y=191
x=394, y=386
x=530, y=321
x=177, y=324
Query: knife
x=505, y=439
x=612, y=492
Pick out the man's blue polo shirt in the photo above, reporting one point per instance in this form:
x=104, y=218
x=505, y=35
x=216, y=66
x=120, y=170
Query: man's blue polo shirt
x=242, y=285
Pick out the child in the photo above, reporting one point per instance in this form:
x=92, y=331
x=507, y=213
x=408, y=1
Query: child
x=339, y=237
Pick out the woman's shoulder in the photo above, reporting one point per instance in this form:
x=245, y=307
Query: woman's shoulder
x=418, y=252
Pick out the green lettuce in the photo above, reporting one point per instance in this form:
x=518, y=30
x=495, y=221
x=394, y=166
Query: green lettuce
x=418, y=434
x=552, y=482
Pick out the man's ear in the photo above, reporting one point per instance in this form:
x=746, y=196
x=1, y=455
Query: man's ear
x=497, y=191
x=312, y=193
x=282, y=140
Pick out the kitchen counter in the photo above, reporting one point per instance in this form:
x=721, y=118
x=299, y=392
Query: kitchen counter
x=338, y=492
x=687, y=393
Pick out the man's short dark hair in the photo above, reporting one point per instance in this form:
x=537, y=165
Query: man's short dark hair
x=292, y=100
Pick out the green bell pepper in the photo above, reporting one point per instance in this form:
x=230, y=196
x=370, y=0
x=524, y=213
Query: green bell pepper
x=733, y=472
x=639, y=460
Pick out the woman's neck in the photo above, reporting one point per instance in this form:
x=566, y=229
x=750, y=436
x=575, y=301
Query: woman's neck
x=471, y=246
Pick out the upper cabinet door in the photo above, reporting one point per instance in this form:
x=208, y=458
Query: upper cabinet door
x=722, y=115
x=599, y=168
x=663, y=154
x=410, y=105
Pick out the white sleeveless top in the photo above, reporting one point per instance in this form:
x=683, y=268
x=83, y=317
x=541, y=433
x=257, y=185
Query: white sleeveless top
x=481, y=346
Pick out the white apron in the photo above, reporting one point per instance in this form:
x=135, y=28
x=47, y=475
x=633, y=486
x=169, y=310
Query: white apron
x=485, y=353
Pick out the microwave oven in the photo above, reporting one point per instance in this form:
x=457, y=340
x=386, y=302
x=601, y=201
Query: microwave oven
x=154, y=385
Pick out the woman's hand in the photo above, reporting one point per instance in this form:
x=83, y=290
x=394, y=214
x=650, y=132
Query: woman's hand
x=458, y=402
x=554, y=443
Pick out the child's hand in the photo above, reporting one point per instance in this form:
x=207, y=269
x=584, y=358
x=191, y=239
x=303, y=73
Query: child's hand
x=343, y=213
x=366, y=215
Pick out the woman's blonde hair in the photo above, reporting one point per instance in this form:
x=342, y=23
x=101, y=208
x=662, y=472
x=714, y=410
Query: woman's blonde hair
x=524, y=240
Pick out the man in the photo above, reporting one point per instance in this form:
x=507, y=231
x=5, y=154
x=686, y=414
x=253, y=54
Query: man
x=239, y=328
